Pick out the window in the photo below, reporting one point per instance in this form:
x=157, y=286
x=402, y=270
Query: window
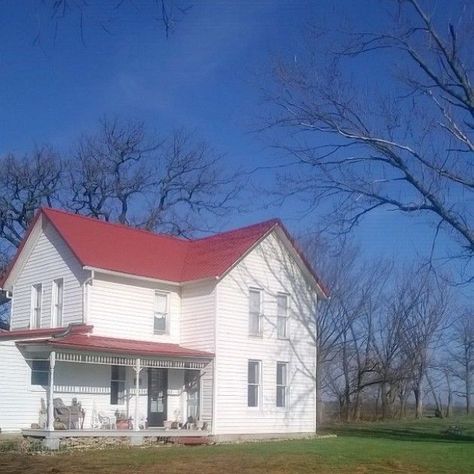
x=58, y=291
x=255, y=312
x=40, y=372
x=282, y=316
x=253, y=383
x=161, y=313
x=36, y=299
x=117, y=385
x=281, y=384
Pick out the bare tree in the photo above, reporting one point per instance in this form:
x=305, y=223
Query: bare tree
x=425, y=302
x=406, y=146
x=26, y=183
x=165, y=13
x=173, y=184
x=461, y=355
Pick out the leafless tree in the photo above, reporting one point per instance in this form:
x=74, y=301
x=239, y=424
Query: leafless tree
x=167, y=14
x=122, y=174
x=406, y=145
x=461, y=355
x=425, y=305
x=26, y=183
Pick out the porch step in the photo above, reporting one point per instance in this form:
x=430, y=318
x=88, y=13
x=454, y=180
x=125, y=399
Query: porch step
x=190, y=440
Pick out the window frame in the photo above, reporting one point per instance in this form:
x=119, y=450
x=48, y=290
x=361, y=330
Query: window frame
x=285, y=318
x=38, y=372
x=280, y=386
x=166, y=313
x=115, y=383
x=36, y=305
x=256, y=384
x=259, y=315
x=57, y=317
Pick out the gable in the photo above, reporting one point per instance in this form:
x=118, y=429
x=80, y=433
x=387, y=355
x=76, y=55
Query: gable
x=276, y=258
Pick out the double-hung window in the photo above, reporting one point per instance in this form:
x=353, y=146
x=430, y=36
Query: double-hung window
x=39, y=372
x=36, y=301
x=255, y=312
x=281, y=384
x=58, y=292
x=253, y=391
x=282, y=316
x=160, y=323
x=117, y=385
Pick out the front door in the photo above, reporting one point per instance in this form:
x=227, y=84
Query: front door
x=157, y=396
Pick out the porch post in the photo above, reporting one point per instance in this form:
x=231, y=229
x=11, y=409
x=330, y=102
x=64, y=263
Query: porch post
x=136, y=426
x=52, y=363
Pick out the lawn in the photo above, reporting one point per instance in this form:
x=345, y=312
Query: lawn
x=400, y=447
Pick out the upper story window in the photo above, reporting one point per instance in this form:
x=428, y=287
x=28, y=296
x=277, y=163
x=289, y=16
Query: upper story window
x=36, y=302
x=255, y=312
x=57, y=298
x=282, y=316
x=253, y=386
x=281, y=384
x=160, y=323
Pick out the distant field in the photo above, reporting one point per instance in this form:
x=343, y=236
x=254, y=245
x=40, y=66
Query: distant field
x=426, y=446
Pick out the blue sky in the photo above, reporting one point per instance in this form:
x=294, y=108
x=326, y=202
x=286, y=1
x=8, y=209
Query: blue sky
x=205, y=76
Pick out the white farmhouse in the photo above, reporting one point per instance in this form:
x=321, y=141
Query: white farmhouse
x=111, y=324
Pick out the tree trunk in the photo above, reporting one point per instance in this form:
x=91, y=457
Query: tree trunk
x=417, y=392
x=468, y=386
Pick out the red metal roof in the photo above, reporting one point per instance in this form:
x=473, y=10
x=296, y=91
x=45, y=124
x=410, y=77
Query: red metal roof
x=133, y=251
x=85, y=342
x=124, y=249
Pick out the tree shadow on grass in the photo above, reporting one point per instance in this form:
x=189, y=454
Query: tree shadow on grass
x=401, y=434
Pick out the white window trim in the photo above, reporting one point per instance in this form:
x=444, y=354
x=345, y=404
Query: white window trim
x=33, y=303
x=260, y=315
x=259, y=385
x=167, y=322
x=287, y=386
x=54, y=296
x=287, y=317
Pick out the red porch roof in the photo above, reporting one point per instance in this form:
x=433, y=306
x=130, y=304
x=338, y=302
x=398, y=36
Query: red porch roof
x=89, y=343
x=45, y=332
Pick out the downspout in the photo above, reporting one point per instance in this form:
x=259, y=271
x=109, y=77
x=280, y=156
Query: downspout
x=85, y=299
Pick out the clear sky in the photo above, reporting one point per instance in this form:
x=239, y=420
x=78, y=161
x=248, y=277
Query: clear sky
x=205, y=76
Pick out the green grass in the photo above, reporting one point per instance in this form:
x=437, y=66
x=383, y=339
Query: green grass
x=382, y=447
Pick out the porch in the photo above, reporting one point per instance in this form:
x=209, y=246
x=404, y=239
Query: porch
x=55, y=439
x=92, y=386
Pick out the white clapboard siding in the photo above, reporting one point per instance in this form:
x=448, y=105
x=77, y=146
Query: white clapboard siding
x=198, y=316
x=124, y=307
x=269, y=268
x=49, y=259
x=20, y=402
x=198, y=312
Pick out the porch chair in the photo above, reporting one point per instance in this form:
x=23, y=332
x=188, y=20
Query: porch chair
x=107, y=421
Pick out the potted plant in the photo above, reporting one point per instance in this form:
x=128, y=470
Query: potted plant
x=122, y=421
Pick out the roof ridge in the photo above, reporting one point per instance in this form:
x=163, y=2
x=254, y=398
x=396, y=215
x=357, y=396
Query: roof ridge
x=273, y=221
x=116, y=224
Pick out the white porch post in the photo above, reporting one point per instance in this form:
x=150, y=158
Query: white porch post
x=52, y=363
x=136, y=426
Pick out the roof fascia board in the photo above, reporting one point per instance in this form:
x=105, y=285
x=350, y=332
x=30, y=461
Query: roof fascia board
x=247, y=252
x=282, y=234
x=130, y=275
x=144, y=278
x=24, y=251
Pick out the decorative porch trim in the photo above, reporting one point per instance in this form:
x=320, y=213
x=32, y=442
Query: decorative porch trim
x=101, y=359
